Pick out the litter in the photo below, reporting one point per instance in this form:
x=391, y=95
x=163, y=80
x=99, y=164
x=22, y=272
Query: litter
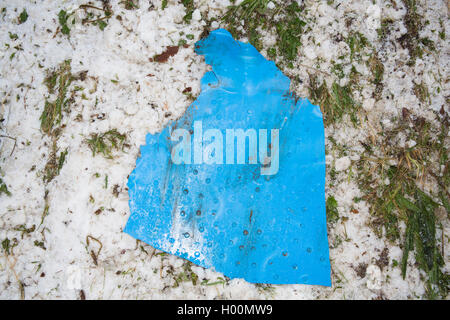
x=237, y=183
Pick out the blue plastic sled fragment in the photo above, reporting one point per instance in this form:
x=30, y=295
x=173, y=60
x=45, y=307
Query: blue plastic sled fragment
x=263, y=226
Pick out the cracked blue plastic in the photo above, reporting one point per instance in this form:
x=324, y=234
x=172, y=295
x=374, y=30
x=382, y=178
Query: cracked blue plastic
x=263, y=228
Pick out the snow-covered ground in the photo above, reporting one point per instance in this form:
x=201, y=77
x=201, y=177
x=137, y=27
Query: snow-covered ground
x=77, y=246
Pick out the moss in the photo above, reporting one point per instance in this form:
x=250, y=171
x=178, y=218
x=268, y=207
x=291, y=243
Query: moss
x=189, y=6
x=132, y=4
x=23, y=16
x=255, y=39
x=377, y=70
x=413, y=23
x=56, y=81
x=289, y=31
x=421, y=237
x=8, y=245
x=252, y=12
x=40, y=244
x=442, y=32
x=402, y=200
x=106, y=142
x=332, y=211
x=4, y=188
x=356, y=42
x=54, y=164
x=63, y=18
x=421, y=92
x=428, y=43
x=338, y=70
x=257, y=16
x=385, y=28
x=186, y=275
x=334, y=103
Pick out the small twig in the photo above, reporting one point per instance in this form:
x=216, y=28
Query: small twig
x=88, y=6
x=99, y=19
x=56, y=32
x=11, y=266
x=376, y=159
x=15, y=142
x=93, y=255
x=152, y=254
x=315, y=69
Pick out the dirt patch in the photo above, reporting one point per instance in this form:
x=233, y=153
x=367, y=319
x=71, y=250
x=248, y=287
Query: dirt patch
x=361, y=270
x=163, y=57
x=383, y=260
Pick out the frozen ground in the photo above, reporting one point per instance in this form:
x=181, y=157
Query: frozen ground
x=62, y=238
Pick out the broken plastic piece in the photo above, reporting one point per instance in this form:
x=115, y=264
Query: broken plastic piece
x=254, y=209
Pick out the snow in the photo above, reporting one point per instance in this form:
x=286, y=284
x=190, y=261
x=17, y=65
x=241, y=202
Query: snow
x=144, y=97
x=342, y=163
x=374, y=277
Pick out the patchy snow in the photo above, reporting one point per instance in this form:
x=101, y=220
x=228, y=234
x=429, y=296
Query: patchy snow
x=125, y=90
